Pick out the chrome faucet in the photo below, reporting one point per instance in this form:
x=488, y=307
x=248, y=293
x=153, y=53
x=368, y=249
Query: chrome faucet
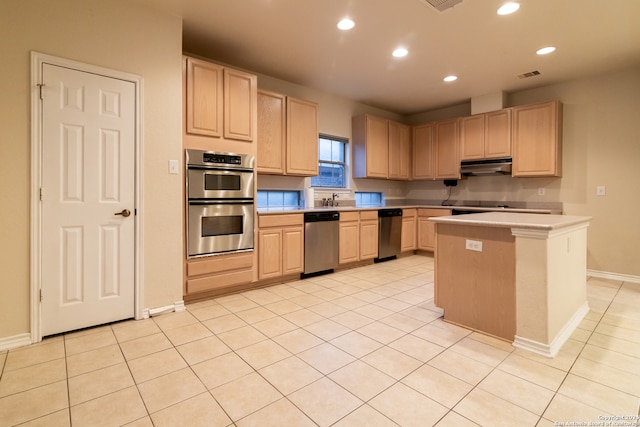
x=332, y=201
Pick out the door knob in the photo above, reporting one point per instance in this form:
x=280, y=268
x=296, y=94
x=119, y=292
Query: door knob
x=125, y=213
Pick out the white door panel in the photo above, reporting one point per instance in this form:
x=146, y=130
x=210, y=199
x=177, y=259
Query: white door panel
x=88, y=175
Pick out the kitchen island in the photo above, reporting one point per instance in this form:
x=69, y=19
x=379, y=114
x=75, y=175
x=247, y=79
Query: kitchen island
x=517, y=276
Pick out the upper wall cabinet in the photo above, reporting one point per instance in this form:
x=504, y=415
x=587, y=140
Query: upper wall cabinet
x=381, y=148
x=288, y=135
x=446, y=149
x=220, y=101
x=399, y=151
x=435, y=150
x=302, y=137
x=370, y=147
x=423, y=152
x=486, y=136
x=537, y=140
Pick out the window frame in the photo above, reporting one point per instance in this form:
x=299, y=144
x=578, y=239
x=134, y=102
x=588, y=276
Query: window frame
x=345, y=164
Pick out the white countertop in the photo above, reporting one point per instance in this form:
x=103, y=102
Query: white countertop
x=513, y=220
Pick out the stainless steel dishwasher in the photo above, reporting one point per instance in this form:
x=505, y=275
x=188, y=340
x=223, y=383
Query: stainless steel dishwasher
x=389, y=233
x=321, y=238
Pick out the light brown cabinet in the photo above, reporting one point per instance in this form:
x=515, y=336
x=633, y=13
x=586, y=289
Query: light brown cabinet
x=370, y=136
x=399, y=151
x=381, y=148
x=408, y=240
x=302, y=137
x=423, y=152
x=220, y=101
x=272, y=130
x=446, y=150
x=486, y=136
x=288, y=129
x=358, y=236
x=435, y=150
x=218, y=273
x=349, y=237
x=368, y=234
x=537, y=140
x=280, y=245
x=427, y=229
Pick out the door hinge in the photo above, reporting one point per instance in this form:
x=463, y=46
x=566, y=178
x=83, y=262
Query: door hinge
x=40, y=86
x=40, y=193
x=40, y=295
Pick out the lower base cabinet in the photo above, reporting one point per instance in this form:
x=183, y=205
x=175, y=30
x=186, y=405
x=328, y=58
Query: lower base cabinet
x=427, y=229
x=358, y=236
x=280, y=245
x=408, y=241
x=215, y=273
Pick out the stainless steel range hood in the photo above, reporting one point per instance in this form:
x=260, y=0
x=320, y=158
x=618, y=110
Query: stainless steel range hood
x=486, y=167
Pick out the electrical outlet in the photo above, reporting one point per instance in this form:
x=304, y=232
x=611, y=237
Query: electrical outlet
x=541, y=191
x=473, y=245
x=444, y=191
x=601, y=190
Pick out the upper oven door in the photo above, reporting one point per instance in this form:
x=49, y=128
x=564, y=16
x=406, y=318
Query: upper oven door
x=219, y=184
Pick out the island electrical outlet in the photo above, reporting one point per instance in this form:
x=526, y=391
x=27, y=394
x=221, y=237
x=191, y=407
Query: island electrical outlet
x=474, y=245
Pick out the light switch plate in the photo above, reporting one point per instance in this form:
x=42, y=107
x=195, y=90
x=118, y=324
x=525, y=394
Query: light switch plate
x=601, y=190
x=173, y=166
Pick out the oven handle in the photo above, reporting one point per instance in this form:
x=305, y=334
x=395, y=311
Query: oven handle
x=219, y=168
x=221, y=202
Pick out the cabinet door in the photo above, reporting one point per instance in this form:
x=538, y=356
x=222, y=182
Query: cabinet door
x=427, y=229
x=423, y=152
x=269, y=253
x=497, y=136
x=368, y=239
x=537, y=143
x=271, y=128
x=204, y=98
x=302, y=137
x=399, y=151
x=408, y=239
x=240, y=93
x=292, y=250
x=446, y=149
x=377, y=135
x=472, y=137
x=349, y=242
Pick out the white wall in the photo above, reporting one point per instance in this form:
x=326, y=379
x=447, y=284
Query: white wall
x=115, y=34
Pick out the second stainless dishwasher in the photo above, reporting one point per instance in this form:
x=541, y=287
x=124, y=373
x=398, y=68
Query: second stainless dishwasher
x=389, y=233
x=321, y=239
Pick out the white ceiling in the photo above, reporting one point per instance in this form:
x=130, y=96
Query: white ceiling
x=297, y=41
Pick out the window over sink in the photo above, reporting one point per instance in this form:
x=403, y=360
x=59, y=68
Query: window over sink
x=332, y=162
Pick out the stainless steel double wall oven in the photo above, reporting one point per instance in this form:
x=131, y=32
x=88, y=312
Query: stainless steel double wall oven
x=220, y=202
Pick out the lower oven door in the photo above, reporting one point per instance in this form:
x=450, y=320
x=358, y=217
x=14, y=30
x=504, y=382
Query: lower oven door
x=219, y=226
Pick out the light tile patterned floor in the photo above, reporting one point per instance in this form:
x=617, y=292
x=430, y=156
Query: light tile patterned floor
x=360, y=347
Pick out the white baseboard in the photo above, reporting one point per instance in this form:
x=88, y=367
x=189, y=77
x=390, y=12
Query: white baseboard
x=8, y=343
x=150, y=312
x=551, y=350
x=613, y=276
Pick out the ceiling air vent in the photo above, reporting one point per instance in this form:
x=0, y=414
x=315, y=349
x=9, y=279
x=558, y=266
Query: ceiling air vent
x=529, y=74
x=441, y=5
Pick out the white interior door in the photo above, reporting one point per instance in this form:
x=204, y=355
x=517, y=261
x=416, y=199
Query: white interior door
x=88, y=187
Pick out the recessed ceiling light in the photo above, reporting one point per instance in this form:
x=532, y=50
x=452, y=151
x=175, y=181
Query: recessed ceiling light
x=545, y=50
x=450, y=78
x=346, y=24
x=508, y=8
x=400, y=52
